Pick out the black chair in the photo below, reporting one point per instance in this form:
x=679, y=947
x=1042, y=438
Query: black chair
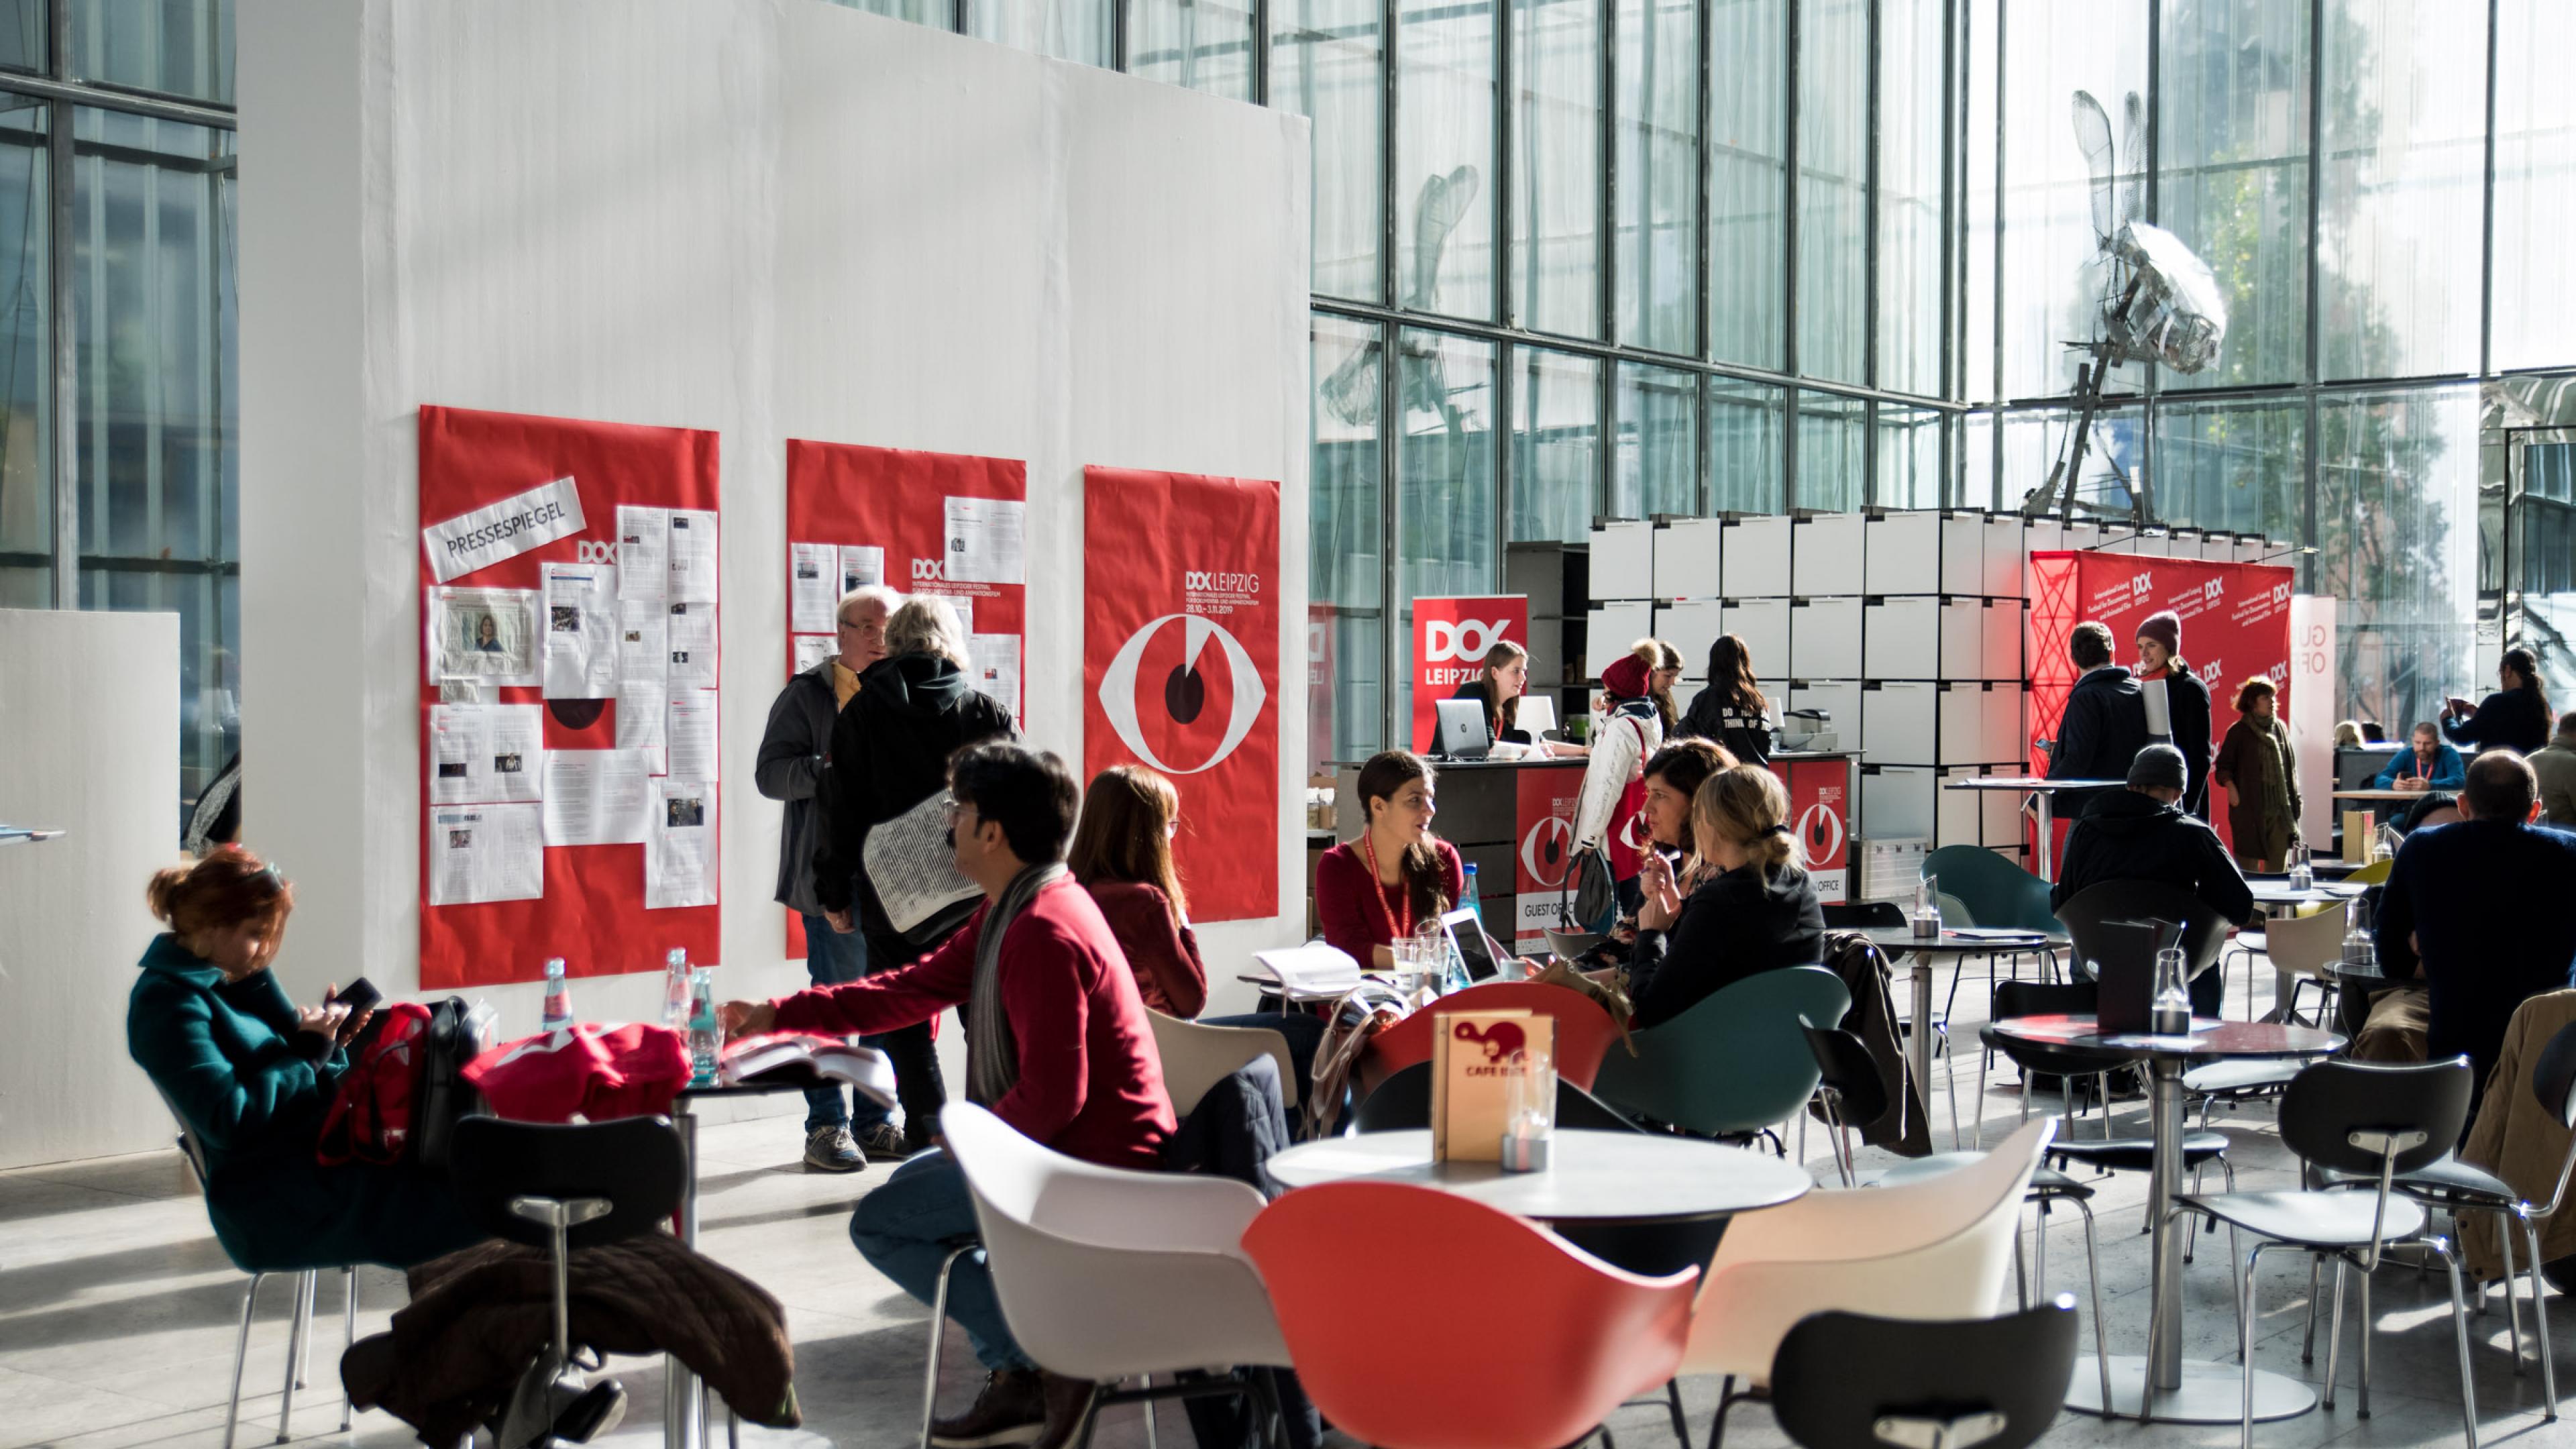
x=1850, y=1381
x=1861, y=915
x=2204, y=930
x=1849, y=1089
x=2368, y=1121
x=561, y=1187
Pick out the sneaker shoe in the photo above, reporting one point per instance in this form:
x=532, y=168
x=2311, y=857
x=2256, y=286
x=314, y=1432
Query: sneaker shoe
x=1068, y=1405
x=830, y=1149
x=884, y=1140
x=1012, y=1409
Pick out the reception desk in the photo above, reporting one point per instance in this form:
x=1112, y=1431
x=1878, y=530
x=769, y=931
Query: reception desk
x=1514, y=821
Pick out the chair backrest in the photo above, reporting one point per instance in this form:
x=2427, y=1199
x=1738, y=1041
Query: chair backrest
x=189, y=1147
x=2306, y=944
x=1843, y=1380
x=1197, y=1057
x=1734, y=1063
x=1998, y=894
x=1481, y=1331
x=2204, y=931
x=1850, y=1073
x=1860, y=915
x=1584, y=1032
x=635, y=1164
x=2044, y=998
x=2330, y=1104
x=2375, y=873
x=1403, y=1103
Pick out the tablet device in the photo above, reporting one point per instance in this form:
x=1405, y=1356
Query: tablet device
x=1468, y=946
x=1460, y=734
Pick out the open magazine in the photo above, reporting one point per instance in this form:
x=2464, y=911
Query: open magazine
x=802, y=1060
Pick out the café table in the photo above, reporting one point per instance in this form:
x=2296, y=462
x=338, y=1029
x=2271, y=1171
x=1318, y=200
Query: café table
x=2042, y=793
x=2185, y=1391
x=684, y=1396
x=1600, y=1179
x=1920, y=952
x=2275, y=893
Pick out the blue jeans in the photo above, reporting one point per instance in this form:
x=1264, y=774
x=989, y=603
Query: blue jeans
x=910, y=1224
x=831, y=959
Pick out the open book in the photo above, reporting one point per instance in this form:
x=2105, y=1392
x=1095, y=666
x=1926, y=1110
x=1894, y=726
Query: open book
x=1312, y=970
x=798, y=1059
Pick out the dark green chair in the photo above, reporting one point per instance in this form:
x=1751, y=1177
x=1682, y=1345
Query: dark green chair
x=1999, y=894
x=1733, y=1065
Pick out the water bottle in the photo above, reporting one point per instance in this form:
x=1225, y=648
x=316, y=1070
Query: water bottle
x=556, y=1014
x=1475, y=900
x=2302, y=875
x=1926, y=918
x=675, y=989
x=2360, y=948
x=706, y=1038
x=2171, y=1015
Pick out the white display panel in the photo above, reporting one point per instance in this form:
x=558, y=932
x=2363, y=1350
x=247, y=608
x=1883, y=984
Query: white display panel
x=2000, y=653
x=1608, y=631
x=1623, y=561
x=1756, y=553
x=1826, y=554
x=1896, y=802
x=1825, y=638
x=1899, y=719
x=1763, y=624
x=1690, y=626
x=1689, y=553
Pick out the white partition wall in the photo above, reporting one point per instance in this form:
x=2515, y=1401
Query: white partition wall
x=93, y=752
x=775, y=220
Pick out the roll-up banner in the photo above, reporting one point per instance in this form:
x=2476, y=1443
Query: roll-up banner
x=1180, y=667
x=1451, y=636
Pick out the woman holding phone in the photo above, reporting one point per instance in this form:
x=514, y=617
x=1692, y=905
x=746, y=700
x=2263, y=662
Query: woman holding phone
x=2515, y=717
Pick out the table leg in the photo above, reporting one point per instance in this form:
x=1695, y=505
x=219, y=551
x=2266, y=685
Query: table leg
x=683, y=1401
x=2047, y=830
x=1919, y=1051
x=2164, y=1355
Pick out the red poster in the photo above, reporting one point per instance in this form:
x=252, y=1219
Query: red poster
x=879, y=516
x=1450, y=639
x=1180, y=666
x=592, y=911
x=2235, y=626
x=1820, y=812
x=1546, y=799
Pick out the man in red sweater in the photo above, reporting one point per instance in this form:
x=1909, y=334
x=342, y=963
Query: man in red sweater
x=1057, y=1045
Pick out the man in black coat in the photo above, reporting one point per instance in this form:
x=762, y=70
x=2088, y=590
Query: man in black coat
x=2143, y=833
x=2105, y=723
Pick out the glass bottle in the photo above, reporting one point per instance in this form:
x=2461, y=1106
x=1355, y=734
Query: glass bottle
x=2171, y=1013
x=2302, y=875
x=2360, y=947
x=675, y=989
x=1471, y=898
x=556, y=1013
x=706, y=1038
x=1927, y=907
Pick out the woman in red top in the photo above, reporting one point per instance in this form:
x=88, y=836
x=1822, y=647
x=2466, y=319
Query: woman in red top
x=1397, y=875
x=1122, y=854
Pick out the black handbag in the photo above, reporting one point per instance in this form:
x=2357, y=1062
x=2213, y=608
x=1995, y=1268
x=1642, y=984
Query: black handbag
x=1588, y=901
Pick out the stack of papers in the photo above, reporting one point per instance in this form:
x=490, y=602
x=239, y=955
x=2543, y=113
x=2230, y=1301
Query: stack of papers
x=1310, y=970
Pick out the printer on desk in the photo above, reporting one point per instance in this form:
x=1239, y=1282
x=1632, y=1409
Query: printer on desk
x=1808, y=731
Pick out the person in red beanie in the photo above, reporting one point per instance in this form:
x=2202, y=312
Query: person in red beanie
x=2186, y=702
x=1623, y=739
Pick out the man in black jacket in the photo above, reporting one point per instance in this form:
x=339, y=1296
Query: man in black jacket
x=839, y=1132
x=890, y=750
x=2142, y=833
x=2105, y=723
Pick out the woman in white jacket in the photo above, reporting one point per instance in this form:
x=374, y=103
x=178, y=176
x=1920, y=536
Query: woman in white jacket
x=1614, y=781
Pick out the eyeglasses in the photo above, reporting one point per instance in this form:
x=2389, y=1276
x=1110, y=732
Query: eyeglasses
x=954, y=805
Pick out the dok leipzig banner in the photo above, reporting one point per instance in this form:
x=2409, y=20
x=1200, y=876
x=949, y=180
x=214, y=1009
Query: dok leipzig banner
x=1180, y=667
x=1544, y=801
x=2235, y=626
x=1450, y=639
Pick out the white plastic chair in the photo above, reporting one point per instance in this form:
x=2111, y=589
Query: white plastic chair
x=1107, y=1275
x=2303, y=947
x=1935, y=1249
x=1197, y=1057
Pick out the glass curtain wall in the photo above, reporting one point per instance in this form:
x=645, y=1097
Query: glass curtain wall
x=117, y=237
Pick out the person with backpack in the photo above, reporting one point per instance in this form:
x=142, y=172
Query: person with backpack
x=890, y=749
x=1623, y=739
x=251, y=1076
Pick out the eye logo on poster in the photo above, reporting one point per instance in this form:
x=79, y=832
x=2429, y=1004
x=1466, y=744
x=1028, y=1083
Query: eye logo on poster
x=1547, y=849
x=1182, y=694
x=1632, y=832
x=1821, y=830
x=1470, y=639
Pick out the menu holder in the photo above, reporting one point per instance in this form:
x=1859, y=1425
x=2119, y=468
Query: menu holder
x=2357, y=835
x=1474, y=1056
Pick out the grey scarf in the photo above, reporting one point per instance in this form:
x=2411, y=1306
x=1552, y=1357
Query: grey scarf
x=992, y=1055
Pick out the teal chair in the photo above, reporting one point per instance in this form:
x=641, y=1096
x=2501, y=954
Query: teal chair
x=1997, y=895
x=1733, y=1065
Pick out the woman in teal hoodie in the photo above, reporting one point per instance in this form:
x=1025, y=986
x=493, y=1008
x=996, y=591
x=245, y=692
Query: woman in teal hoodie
x=250, y=1074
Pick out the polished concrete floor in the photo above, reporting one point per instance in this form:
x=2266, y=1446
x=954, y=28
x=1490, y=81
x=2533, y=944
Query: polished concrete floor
x=118, y=1313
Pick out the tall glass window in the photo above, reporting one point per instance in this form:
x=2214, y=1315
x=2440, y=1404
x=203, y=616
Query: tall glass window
x=1064, y=29
x=1345, y=565
x=1657, y=466
x=1444, y=150
x=1833, y=189
x=2535, y=184
x=176, y=47
x=2232, y=174
x=1748, y=202
x=1327, y=59
x=1556, y=166
x=2236, y=466
x=1744, y=467
x=1657, y=246
x=1445, y=507
x=1911, y=54
x=2404, y=122
x=26, y=372
x=1909, y=458
x=919, y=12
x=2397, y=494
x=1203, y=45
x=1556, y=445
x=2053, y=266
x=1833, y=448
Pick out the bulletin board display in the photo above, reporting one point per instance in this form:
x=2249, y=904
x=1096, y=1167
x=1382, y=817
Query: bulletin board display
x=2235, y=626
x=1180, y=667
x=947, y=524
x=570, y=582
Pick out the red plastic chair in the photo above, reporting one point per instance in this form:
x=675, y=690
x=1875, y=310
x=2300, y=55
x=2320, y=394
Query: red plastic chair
x=1479, y=1331
x=1584, y=1032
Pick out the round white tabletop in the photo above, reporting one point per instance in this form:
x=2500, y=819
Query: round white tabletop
x=1595, y=1177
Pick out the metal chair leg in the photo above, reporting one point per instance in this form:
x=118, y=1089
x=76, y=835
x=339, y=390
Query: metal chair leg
x=241, y=1356
x=2039, y=1250
x=297, y=1316
x=348, y=1331
x=938, y=1334
x=2308, y=1345
x=2334, y=1335
x=2460, y=1327
x=2362, y=1334
x=2093, y=1271
x=2021, y=1278
x=1673, y=1401
x=2244, y=1296
x=2539, y=1315
x=1146, y=1381
x=2512, y=1305
x=1977, y=1129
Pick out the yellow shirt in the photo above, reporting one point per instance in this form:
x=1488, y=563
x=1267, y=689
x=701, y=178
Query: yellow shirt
x=844, y=684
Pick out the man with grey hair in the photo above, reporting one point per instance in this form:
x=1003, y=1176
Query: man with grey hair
x=2142, y=833
x=890, y=749
x=794, y=755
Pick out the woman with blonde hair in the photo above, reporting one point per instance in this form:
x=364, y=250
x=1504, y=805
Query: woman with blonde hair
x=1122, y=854
x=1755, y=910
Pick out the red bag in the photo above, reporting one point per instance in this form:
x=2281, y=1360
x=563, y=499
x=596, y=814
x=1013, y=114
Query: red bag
x=597, y=1072
x=370, y=1119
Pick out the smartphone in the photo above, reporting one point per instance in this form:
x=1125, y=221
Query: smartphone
x=359, y=995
